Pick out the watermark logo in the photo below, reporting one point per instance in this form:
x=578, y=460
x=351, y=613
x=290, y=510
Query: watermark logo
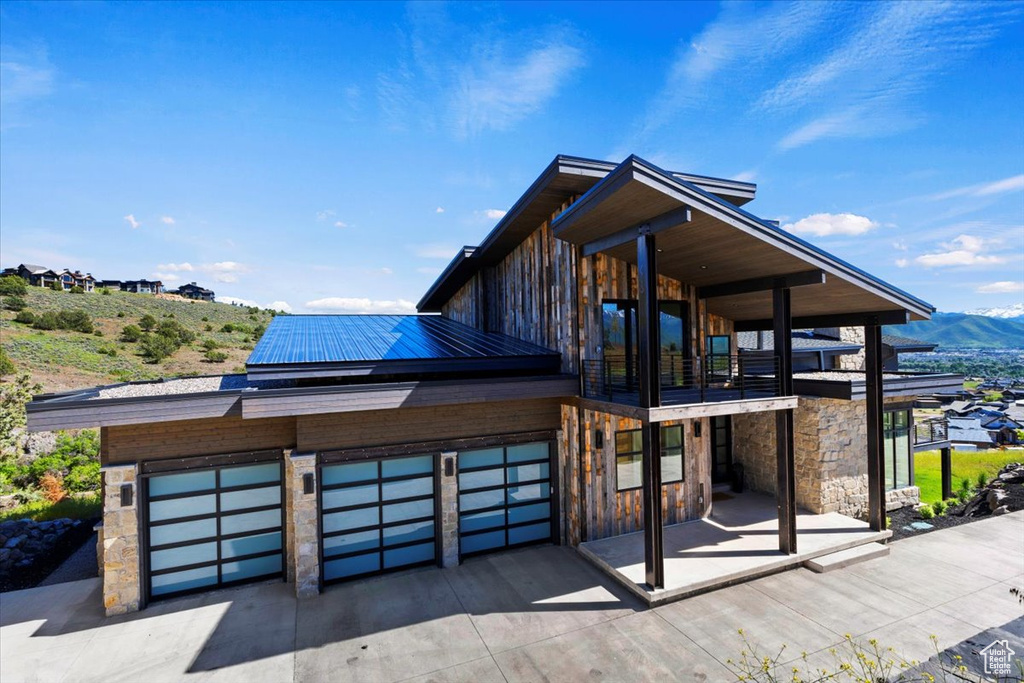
x=998, y=658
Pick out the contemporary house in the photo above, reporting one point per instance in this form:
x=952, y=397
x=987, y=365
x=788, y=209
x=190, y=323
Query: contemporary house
x=69, y=279
x=575, y=379
x=142, y=286
x=37, y=276
x=194, y=291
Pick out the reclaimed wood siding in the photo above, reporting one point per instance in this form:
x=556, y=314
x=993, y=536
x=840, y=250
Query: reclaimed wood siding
x=371, y=428
x=594, y=507
x=186, y=438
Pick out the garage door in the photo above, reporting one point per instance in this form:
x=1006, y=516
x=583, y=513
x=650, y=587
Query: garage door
x=213, y=527
x=377, y=516
x=505, y=497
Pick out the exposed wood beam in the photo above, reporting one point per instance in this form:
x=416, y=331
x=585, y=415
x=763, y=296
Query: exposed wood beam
x=761, y=284
x=875, y=399
x=669, y=219
x=899, y=317
x=784, y=451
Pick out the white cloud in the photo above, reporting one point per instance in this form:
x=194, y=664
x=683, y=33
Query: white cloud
x=131, y=221
x=1011, y=184
x=237, y=301
x=495, y=214
x=964, y=250
x=359, y=305
x=435, y=250
x=175, y=267
x=1001, y=287
x=823, y=224
x=280, y=306
x=439, y=209
x=166, y=277
x=166, y=220
x=746, y=176
x=24, y=76
x=902, y=263
x=386, y=271
x=325, y=214
x=899, y=245
x=340, y=224
x=225, y=271
x=429, y=270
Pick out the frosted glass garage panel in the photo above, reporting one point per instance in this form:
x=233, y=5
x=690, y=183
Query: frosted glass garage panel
x=182, y=507
x=169, y=484
x=481, y=458
x=529, y=513
x=250, y=474
x=349, y=473
x=399, y=512
x=351, y=566
x=182, y=556
x=402, y=467
x=251, y=568
x=407, y=488
x=184, y=580
x=250, y=521
x=250, y=498
x=415, y=554
x=183, y=531
x=478, y=521
x=481, y=479
x=487, y=541
x=351, y=543
x=250, y=545
x=405, y=533
x=351, y=519
x=362, y=494
x=526, y=534
x=533, y=472
x=481, y=499
x=528, y=451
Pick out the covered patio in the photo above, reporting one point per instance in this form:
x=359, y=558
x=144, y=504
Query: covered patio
x=737, y=542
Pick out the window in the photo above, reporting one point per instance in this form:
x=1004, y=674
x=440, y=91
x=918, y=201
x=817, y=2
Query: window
x=718, y=350
x=897, y=450
x=629, y=454
x=620, y=328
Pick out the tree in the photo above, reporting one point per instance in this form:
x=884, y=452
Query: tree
x=26, y=317
x=131, y=334
x=13, y=397
x=14, y=303
x=156, y=347
x=12, y=285
x=46, y=321
x=147, y=322
x=6, y=364
x=75, y=320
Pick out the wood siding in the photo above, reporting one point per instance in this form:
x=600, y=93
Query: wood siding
x=411, y=425
x=594, y=508
x=186, y=438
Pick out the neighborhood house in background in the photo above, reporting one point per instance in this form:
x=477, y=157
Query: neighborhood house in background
x=590, y=380
x=41, y=276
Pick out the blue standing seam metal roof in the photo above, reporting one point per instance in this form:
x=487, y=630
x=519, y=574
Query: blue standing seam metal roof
x=308, y=339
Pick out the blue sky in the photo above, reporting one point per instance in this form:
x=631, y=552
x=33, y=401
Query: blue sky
x=332, y=157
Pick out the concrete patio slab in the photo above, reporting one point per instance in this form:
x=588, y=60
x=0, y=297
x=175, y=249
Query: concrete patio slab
x=738, y=542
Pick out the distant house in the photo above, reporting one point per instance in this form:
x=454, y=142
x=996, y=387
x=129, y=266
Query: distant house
x=110, y=284
x=143, y=286
x=970, y=431
x=37, y=276
x=824, y=348
x=69, y=279
x=194, y=291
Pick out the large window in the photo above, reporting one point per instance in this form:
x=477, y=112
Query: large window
x=629, y=454
x=620, y=328
x=897, y=449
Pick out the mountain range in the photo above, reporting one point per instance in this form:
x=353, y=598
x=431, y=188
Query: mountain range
x=1015, y=311
x=965, y=331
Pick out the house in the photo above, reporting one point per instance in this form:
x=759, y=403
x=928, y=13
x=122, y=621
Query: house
x=113, y=285
x=969, y=430
x=37, y=276
x=194, y=291
x=69, y=279
x=143, y=286
x=829, y=349
x=578, y=380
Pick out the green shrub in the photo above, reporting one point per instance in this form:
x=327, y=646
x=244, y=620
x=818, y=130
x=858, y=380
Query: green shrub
x=939, y=508
x=147, y=323
x=105, y=291
x=12, y=285
x=131, y=334
x=228, y=328
x=926, y=513
x=72, y=453
x=26, y=317
x=75, y=320
x=57, y=286
x=982, y=480
x=215, y=356
x=98, y=333
x=72, y=507
x=156, y=347
x=208, y=328
x=175, y=330
x=210, y=344
x=46, y=321
x=206, y=319
x=963, y=495
x=965, y=484
x=6, y=364
x=120, y=314
x=77, y=289
x=14, y=303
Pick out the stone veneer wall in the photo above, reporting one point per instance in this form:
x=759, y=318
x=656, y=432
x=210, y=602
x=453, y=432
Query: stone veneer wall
x=830, y=453
x=852, y=361
x=121, y=576
x=450, y=512
x=302, y=543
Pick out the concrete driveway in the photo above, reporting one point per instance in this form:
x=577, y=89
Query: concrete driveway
x=537, y=614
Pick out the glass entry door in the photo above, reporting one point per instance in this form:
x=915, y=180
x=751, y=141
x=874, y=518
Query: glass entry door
x=721, y=449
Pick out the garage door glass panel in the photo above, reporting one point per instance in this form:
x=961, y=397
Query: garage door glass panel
x=182, y=483
x=184, y=531
x=165, y=584
x=250, y=545
x=182, y=507
x=256, y=567
x=249, y=475
x=250, y=498
x=238, y=534
x=387, y=520
x=183, y=556
x=351, y=495
x=504, y=497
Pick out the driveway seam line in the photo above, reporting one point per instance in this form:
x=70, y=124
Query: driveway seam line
x=473, y=624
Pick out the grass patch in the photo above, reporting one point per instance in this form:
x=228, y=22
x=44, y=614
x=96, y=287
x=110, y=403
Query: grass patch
x=966, y=465
x=76, y=507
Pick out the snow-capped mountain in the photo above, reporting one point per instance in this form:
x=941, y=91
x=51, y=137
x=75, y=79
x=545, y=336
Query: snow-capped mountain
x=1008, y=312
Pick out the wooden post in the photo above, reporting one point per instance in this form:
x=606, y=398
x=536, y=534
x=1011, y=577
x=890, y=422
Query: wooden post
x=649, y=341
x=785, y=457
x=947, y=473
x=876, y=466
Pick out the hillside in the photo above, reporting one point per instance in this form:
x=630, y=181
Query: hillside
x=61, y=360
x=959, y=330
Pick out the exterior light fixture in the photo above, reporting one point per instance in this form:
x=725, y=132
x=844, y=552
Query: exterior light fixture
x=696, y=429
x=126, y=495
x=308, y=483
x=598, y=438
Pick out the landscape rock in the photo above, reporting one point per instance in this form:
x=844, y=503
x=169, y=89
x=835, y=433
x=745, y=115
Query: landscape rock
x=1001, y=510
x=27, y=543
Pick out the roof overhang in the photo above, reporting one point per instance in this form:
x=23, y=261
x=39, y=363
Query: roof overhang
x=564, y=178
x=855, y=387
x=722, y=244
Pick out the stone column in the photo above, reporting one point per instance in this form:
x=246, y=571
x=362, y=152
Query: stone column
x=852, y=361
x=302, y=543
x=122, y=589
x=450, y=510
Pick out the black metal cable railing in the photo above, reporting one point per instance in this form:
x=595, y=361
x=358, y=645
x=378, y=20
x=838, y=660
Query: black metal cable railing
x=931, y=431
x=683, y=380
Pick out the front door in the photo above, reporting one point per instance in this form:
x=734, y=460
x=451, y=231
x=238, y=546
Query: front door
x=721, y=449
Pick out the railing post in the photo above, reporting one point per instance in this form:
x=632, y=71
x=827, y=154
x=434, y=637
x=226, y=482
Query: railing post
x=947, y=473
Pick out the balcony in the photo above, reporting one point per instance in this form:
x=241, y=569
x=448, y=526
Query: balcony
x=931, y=432
x=708, y=379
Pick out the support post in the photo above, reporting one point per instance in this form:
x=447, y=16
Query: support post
x=947, y=473
x=648, y=341
x=876, y=465
x=785, y=457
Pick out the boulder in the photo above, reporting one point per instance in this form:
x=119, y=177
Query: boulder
x=1001, y=510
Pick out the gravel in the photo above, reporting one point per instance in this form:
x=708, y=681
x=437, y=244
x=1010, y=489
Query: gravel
x=81, y=564
x=839, y=376
x=186, y=385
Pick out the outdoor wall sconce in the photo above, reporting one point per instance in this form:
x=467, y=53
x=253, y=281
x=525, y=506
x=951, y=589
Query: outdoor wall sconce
x=598, y=438
x=449, y=466
x=308, y=483
x=696, y=429
x=126, y=495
